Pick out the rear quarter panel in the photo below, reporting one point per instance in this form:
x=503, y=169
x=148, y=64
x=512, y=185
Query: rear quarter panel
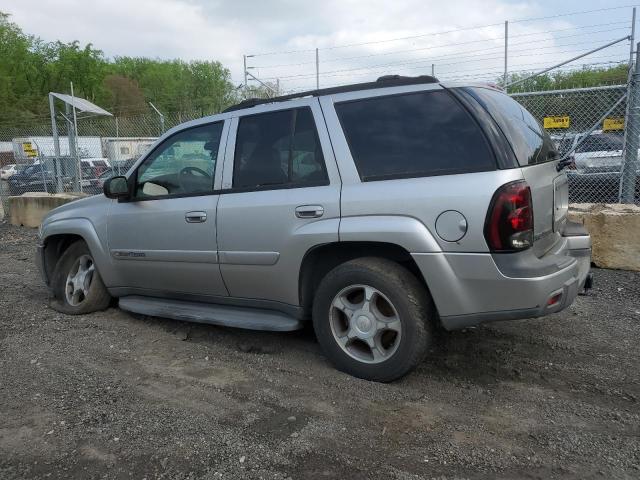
x=421, y=199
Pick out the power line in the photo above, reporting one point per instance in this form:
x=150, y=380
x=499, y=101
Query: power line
x=395, y=52
x=399, y=63
x=469, y=73
x=445, y=32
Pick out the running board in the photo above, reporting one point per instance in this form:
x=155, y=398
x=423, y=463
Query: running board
x=228, y=316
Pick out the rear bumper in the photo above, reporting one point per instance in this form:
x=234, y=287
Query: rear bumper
x=469, y=289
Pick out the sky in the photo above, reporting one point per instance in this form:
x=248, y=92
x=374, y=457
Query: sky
x=358, y=40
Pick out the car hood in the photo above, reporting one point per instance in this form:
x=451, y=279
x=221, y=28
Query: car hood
x=89, y=207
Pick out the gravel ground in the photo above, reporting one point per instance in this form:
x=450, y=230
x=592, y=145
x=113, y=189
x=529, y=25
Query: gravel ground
x=112, y=395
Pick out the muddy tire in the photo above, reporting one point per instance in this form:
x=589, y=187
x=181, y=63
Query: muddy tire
x=76, y=283
x=373, y=319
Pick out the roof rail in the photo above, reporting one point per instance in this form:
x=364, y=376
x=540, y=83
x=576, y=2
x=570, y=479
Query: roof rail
x=385, y=81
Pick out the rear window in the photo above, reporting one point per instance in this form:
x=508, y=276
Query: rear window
x=530, y=142
x=413, y=135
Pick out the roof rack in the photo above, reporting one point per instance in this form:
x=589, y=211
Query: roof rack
x=385, y=81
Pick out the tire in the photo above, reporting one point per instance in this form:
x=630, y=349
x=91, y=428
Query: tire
x=93, y=295
x=400, y=310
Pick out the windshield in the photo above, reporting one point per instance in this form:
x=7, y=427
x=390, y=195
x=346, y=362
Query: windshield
x=530, y=142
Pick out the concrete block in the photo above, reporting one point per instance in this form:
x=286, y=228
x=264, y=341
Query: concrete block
x=615, y=233
x=29, y=208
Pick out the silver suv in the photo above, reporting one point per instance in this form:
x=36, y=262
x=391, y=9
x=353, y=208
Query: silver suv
x=380, y=211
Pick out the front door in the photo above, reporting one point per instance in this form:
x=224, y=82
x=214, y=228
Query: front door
x=163, y=240
x=282, y=197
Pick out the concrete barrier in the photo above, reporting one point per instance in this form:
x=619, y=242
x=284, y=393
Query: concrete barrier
x=28, y=209
x=615, y=233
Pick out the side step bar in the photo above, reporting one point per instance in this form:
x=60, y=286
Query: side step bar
x=228, y=316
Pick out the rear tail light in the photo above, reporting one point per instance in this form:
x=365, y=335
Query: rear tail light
x=509, y=224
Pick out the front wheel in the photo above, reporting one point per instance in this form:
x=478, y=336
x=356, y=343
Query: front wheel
x=373, y=319
x=77, y=286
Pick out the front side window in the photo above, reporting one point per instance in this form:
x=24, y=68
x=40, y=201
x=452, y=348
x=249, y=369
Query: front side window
x=413, y=135
x=183, y=164
x=278, y=149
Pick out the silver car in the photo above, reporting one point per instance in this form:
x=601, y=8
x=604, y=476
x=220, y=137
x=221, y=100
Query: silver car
x=378, y=211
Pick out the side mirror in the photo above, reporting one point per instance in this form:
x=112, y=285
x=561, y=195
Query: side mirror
x=116, y=187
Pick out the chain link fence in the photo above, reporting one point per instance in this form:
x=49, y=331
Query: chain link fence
x=594, y=129
x=104, y=146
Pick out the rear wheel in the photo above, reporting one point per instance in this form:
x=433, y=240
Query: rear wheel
x=77, y=286
x=373, y=319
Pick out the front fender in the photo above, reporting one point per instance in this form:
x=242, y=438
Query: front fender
x=84, y=228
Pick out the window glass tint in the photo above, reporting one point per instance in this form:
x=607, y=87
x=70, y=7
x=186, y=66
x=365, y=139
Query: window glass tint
x=184, y=164
x=602, y=142
x=277, y=149
x=411, y=135
x=530, y=142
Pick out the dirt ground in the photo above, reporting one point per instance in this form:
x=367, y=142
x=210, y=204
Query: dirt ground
x=111, y=395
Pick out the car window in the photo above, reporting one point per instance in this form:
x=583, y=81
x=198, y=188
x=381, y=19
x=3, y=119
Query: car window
x=183, y=164
x=413, y=135
x=530, y=142
x=603, y=142
x=278, y=149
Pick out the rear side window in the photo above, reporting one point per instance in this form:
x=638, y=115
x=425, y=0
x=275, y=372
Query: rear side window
x=530, y=142
x=413, y=135
x=278, y=149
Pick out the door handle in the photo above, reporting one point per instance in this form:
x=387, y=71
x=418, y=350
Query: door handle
x=195, y=217
x=309, y=211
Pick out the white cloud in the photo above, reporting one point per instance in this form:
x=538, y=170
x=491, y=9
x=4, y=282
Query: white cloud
x=225, y=30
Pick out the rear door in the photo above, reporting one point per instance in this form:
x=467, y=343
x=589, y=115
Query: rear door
x=281, y=197
x=537, y=155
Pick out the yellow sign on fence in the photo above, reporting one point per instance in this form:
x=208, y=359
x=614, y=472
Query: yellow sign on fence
x=613, y=124
x=29, y=150
x=556, y=122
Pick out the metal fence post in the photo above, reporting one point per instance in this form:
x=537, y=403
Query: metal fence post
x=317, y=71
x=56, y=144
x=506, y=51
x=631, y=136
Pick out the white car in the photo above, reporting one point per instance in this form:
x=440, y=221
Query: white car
x=7, y=171
x=594, y=175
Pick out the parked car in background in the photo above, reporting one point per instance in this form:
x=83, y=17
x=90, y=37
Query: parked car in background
x=8, y=170
x=92, y=169
x=378, y=211
x=33, y=178
x=595, y=173
x=118, y=168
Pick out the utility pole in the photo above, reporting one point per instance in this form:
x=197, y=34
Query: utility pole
x=433, y=69
x=317, y=71
x=506, y=47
